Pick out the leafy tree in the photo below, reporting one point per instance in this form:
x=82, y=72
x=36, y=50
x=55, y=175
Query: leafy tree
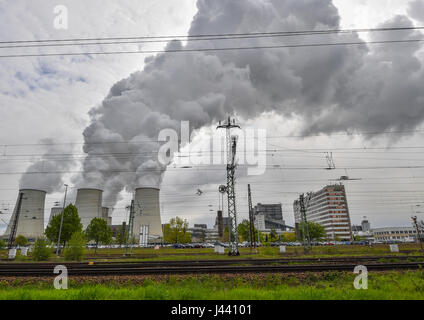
x=76, y=247
x=316, y=231
x=71, y=224
x=288, y=236
x=120, y=237
x=244, y=230
x=99, y=232
x=226, y=235
x=273, y=235
x=2, y=244
x=41, y=251
x=21, y=241
x=177, y=231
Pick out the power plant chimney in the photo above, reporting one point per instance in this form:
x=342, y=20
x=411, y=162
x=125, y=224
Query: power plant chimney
x=31, y=215
x=147, y=214
x=89, y=205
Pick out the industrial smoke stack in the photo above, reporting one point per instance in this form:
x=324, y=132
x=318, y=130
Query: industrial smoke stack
x=31, y=215
x=147, y=213
x=89, y=205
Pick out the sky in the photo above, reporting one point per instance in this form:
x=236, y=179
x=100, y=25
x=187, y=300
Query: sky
x=49, y=100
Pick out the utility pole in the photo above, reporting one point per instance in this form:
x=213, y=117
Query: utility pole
x=130, y=229
x=305, y=228
x=14, y=227
x=231, y=180
x=251, y=220
x=61, y=221
x=414, y=219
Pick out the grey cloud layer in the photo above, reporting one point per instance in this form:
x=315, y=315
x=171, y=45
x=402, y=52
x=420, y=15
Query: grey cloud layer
x=332, y=89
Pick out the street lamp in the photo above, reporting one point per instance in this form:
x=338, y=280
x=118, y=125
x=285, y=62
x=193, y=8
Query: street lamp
x=61, y=221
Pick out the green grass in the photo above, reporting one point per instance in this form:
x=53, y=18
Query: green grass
x=328, y=286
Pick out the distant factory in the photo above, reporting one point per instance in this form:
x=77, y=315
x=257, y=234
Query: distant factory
x=269, y=217
x=31, y=203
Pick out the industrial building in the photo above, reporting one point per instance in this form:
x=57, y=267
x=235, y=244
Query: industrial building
x=328, y=207
x=268, y=217
x=147, y=219
x=201, y=233
x=31, y=215
x=363, y=231
x=89, y=205
x=395, y=234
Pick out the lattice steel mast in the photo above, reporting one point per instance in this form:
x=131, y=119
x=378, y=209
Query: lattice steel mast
x=251, y=220
x=231, y=180
x=304, y=202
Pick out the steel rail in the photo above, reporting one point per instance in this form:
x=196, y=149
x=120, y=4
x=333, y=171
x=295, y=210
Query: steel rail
x=101, y=270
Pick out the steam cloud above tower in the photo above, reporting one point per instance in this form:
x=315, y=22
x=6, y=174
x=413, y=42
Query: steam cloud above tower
x=343, y=88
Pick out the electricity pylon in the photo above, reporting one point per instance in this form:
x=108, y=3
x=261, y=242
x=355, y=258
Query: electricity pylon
x=231, y=180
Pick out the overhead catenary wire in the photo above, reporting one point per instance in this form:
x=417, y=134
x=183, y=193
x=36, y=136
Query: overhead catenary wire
x=304, y=45
x=227, y=35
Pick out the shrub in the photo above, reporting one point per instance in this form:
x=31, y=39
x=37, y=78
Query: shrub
x=2, y=244
x=76, y=247
x=41, y=251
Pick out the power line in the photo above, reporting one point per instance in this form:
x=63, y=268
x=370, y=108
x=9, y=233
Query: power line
x=275, y=33
x=213, y=49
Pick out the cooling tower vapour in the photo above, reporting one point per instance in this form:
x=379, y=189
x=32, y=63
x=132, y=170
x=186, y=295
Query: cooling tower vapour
x=147, y=213
x=89, y=205
x=31, y=216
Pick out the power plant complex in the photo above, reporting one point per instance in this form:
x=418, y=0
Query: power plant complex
x=28, y=214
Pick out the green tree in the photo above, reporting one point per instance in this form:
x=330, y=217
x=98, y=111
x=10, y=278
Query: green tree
x=2, y=244
x=288, y=236
x=273, y=235
x=76, y=247
x=71, y=224
x=41, y=251
x=99, y=232
x=226, y=235
x=316, y=231
x=21, y=241
x=121, y=237
x=177, y=231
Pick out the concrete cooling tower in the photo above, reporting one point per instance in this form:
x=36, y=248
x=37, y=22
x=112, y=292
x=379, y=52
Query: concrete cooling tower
x=54, y=212
x=147, y=214
x=105, y=216
x=89, y=205
x=31, y=215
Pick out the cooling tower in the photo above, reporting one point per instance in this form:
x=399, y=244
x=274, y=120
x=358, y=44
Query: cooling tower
x=105, y=216
x=54, y=212
x=31, y=216
x=147, y=213
x=89, y=205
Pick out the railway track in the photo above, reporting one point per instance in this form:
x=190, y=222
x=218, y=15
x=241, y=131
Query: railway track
x=137, y=270
x=206, y=262
x=207, y=266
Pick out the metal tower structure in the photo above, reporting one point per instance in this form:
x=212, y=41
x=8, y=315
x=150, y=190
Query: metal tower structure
x=15, y=222
x=303, y=202
x=251, y=220
x=231, y=180
x=130, y=230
